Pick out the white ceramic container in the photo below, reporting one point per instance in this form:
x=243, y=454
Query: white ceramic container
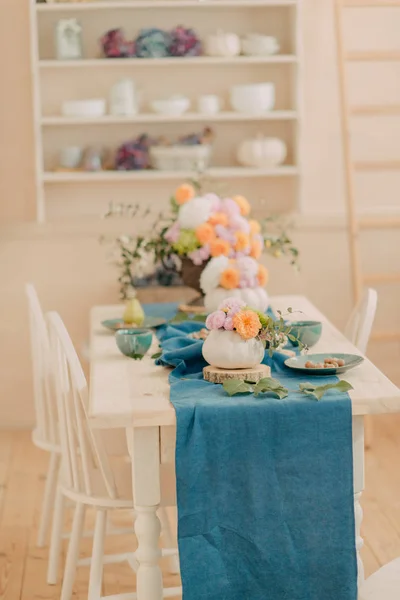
x=254, y=44
x=71, y=157
x=88, y=109
x=174, y=106
x=123, y=98
x=256, y=297
x=209, y=104
x=253, y=98
x=262, y=152
x=222, y=43
x=180, y=158
x=227, y=350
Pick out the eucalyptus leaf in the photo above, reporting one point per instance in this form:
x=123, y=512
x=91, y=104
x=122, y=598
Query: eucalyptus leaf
x=137, y=356
x=156, y=355
x=237, y=386
x=317, y=391
x=270, y=385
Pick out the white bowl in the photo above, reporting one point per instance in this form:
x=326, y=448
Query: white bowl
x=253, y=98
x=90, y=109
x=180, y=158
x=173, y=107
x=255, y=44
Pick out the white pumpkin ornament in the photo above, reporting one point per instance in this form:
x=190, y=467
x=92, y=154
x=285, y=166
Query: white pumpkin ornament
x=227, y=350
x=222, y=43
x=261, y=152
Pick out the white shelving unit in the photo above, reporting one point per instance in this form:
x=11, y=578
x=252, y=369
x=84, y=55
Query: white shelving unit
x=92, y=76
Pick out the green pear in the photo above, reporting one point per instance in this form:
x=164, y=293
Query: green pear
x=134, y=313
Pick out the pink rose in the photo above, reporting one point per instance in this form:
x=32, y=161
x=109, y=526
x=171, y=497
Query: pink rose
x=216, y=202
x=172, y=234
x=201, y=255
x=216, y=320
x=228, y=325
x=230, y=207
x=232, y=305
x=224, y=233
x=238, y=223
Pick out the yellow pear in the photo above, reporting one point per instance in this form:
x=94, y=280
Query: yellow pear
x=134, y=313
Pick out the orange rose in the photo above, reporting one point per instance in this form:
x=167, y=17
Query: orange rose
x=247, y=324
x=255, y=249
x=242, y=241
x=184, y=193
x=262, y=275
x=230, y=278
x=220, y=247
x=219, y=218
x=205, y=233
x=243, y=204
x=255, y=226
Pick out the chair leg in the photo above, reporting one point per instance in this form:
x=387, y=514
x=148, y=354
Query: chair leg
x=169, y=539
x=48, y=498
x=73, y=552
x=96, y=566
x=56, y=538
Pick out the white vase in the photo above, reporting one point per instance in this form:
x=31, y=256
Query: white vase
x=227, y=350
x=256, y=298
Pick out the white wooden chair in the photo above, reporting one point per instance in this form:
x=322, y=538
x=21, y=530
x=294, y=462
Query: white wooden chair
x=45, y=434
x=358, y=331
x=88, y=476
x=359, y=326
x=384, y=584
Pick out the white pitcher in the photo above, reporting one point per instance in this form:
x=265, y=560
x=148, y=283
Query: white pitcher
x=124, y=98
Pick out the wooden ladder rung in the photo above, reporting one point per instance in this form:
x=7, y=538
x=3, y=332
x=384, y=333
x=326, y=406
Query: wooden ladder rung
x=381, y=278
x=371, y=3
x=388, y=109
x=373, y=55
x=374, y=223
x=385, y=336
x=379, y=165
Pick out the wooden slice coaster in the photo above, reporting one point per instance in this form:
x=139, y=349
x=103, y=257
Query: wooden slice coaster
x=215, y=375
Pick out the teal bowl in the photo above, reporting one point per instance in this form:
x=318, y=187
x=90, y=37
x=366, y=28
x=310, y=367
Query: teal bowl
x=134, y=342
x=308, y=332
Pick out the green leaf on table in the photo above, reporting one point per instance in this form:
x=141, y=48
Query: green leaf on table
x=156, y=355
x=317, y=391
x=237, y=386
x=137, y=356
x=181, y=316
x=272, y=386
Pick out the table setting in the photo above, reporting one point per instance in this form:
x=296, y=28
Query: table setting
x=256, y=401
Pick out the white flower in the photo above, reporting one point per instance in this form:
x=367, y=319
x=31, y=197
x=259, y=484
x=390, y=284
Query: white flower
x=209, y=279
x=195, y=212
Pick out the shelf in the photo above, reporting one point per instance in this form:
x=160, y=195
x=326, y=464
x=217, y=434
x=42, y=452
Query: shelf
x=151, y=175
x=276, y=115
x=88, y=6
x=168, y=61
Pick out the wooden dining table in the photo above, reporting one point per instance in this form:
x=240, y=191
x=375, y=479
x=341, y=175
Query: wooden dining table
x=134, y=395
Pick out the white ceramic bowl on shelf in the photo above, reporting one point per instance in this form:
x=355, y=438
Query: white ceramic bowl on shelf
x=255, y=44
x=89, y=109
x=180, y=158
x=174, y=106
x=254, y=98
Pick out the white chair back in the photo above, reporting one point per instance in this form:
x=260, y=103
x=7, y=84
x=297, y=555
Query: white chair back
x=85, y=466
x=359, y=325
x=43, y=386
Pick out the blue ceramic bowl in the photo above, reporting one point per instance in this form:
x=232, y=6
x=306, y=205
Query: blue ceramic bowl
x=133, y=342
x=308, y=332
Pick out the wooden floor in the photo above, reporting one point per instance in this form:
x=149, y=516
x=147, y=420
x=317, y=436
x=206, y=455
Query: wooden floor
x=22, y=472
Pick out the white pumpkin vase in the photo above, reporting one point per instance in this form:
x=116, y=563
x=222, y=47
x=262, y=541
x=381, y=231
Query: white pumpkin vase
x=256, y=297
x=261, y=152
x=227, y=350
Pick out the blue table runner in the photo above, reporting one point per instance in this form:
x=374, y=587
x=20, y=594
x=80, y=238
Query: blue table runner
x=264, y=486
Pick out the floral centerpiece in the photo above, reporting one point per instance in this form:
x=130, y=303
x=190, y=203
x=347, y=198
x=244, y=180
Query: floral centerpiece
x=212, y=242
x=239, y=335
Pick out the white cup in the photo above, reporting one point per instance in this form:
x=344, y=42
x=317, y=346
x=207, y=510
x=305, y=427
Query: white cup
x=209, y=104
x=71, y=157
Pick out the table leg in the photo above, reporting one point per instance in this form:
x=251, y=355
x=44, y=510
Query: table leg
x=143, y=445
x=358, y=470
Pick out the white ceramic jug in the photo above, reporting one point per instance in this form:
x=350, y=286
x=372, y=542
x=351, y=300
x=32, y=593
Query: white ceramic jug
x=124, y=98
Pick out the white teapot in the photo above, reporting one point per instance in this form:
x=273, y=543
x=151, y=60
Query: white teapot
x=261, y=152
x=222, y=44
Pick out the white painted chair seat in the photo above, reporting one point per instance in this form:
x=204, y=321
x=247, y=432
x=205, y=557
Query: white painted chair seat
x=384, y=584
x=359, y=326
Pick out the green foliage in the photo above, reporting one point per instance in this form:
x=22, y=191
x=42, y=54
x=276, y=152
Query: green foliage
x=237, y=386
x=137, y=356
x=318, y=391
x=156, y=355
x=267, y=385
x=182, y=316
